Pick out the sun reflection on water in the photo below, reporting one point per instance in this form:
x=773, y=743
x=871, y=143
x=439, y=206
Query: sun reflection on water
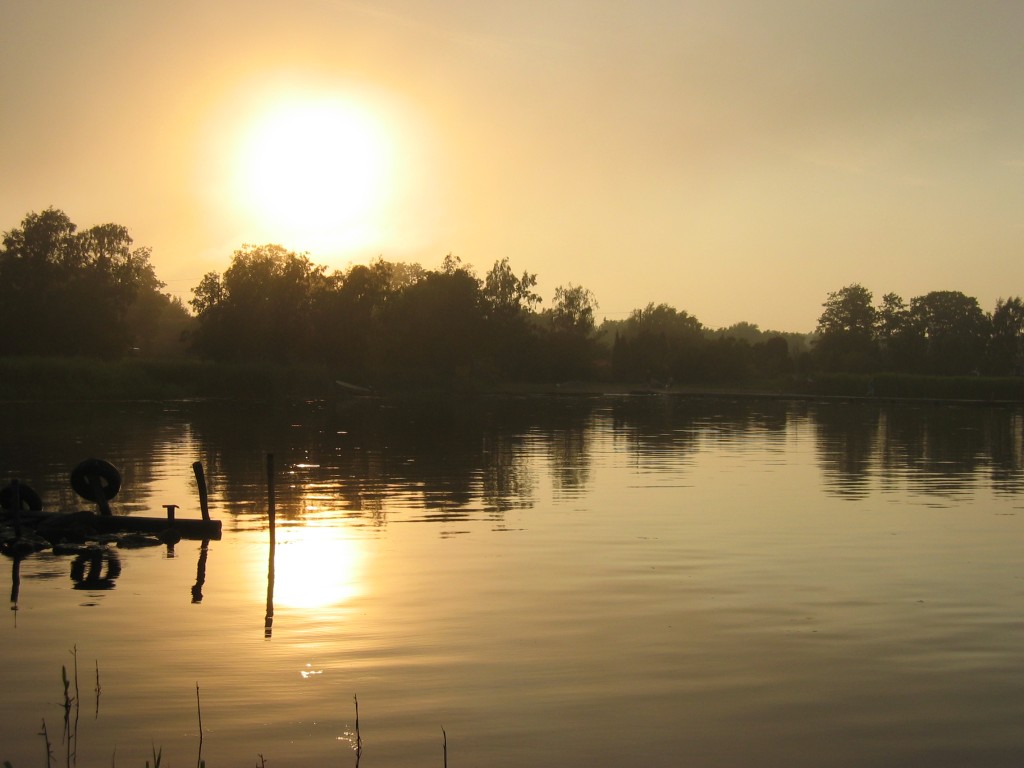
x=316, y=567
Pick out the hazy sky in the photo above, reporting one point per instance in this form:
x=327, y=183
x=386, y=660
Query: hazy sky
x=737, y=160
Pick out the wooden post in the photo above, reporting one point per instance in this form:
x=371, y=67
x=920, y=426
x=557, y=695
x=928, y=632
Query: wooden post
x=170, y=511
x=15, y=583
x=268, y=621
x=204, y=499
x=99, y=494
x=16, y=507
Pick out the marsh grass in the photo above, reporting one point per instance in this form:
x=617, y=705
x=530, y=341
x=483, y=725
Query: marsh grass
x=899, y=386
x=48, y=378
x=51, y=378
x=70, y=706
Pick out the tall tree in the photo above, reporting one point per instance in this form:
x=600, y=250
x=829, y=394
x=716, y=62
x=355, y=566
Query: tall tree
x=846, y=328
x=435, y=324
x=1006, y=351
x=509, y=301
x=900, y=341
x=568, y=347
x=507, y=294
x=659, y=343
x=261, y=308
x=573, y=309
x=955, y=330
x=68, y=292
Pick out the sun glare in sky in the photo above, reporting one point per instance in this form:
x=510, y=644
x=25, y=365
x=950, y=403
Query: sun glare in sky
x=315, y=173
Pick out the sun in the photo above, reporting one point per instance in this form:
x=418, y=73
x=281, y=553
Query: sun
x=316, y=174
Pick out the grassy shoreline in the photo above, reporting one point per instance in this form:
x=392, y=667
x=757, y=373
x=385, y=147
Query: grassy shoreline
x=55, y=379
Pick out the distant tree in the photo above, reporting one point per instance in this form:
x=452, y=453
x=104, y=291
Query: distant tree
x=1006, y=350
x=848, y=311
x=161, y=323
x=507, y=294
x=435, y=325
x=748, y=332
x=349, y=316
x=771, y=357
x=900, y=341
x=846, y=331
x=658, y=343
x=955, y=330
x=724, y=359
x=573, y=309
x=511, y=338
x=261, y=308
x=568, y=346
x=69, y=292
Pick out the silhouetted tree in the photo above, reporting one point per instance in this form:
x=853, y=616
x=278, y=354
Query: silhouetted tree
x=262, y=307
x=68, y=292
x=507, y=294
x=573, y=309
x=955, y=330
x=569, y=349
x=350, y=313
x=435, y=325
x=1006, y=350
x=511, y=338
x=900, y=342
x=846, y=328
x=659, y=343
x=771, y=358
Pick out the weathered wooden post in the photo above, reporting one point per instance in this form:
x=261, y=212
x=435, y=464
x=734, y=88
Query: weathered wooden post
x=15, y=582
x=204, y=499
x=96, y=483
x=16, y=506
x=268, y=622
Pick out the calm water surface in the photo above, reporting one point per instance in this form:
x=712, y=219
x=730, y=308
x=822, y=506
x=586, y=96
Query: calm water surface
x=641, y=581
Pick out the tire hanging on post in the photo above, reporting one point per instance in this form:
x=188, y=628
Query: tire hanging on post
x=96, y=480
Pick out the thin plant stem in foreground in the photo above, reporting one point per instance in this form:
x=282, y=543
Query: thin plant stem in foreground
x=199, y=712
x=49, y=747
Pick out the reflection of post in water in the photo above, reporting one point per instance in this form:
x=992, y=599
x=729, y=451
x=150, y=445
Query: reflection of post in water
x=15, y=584
x=197, y=588
x=268, y=623
x=87, y=569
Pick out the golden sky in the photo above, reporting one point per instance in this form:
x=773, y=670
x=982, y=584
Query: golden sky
x=737, y=160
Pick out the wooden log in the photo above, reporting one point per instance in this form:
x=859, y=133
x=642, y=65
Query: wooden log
x=188, y=528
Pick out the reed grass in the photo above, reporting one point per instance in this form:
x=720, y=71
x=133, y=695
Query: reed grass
x=71, y=703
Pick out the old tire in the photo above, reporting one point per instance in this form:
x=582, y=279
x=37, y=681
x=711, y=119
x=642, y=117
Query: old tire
x=82, y=477
x=30, y=501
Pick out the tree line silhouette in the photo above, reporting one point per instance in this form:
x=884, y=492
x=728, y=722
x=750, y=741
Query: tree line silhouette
x=71, y=292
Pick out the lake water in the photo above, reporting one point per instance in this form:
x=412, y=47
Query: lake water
x=629, y=581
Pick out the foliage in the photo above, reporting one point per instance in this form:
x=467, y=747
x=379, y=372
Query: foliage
x=846, y=331
x=83, y=294
x=952, y=330
x=573, y=310
x=71, y=292
x=261, y=308
x=1006, y=352
x=942, y=333
x=507, y=295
